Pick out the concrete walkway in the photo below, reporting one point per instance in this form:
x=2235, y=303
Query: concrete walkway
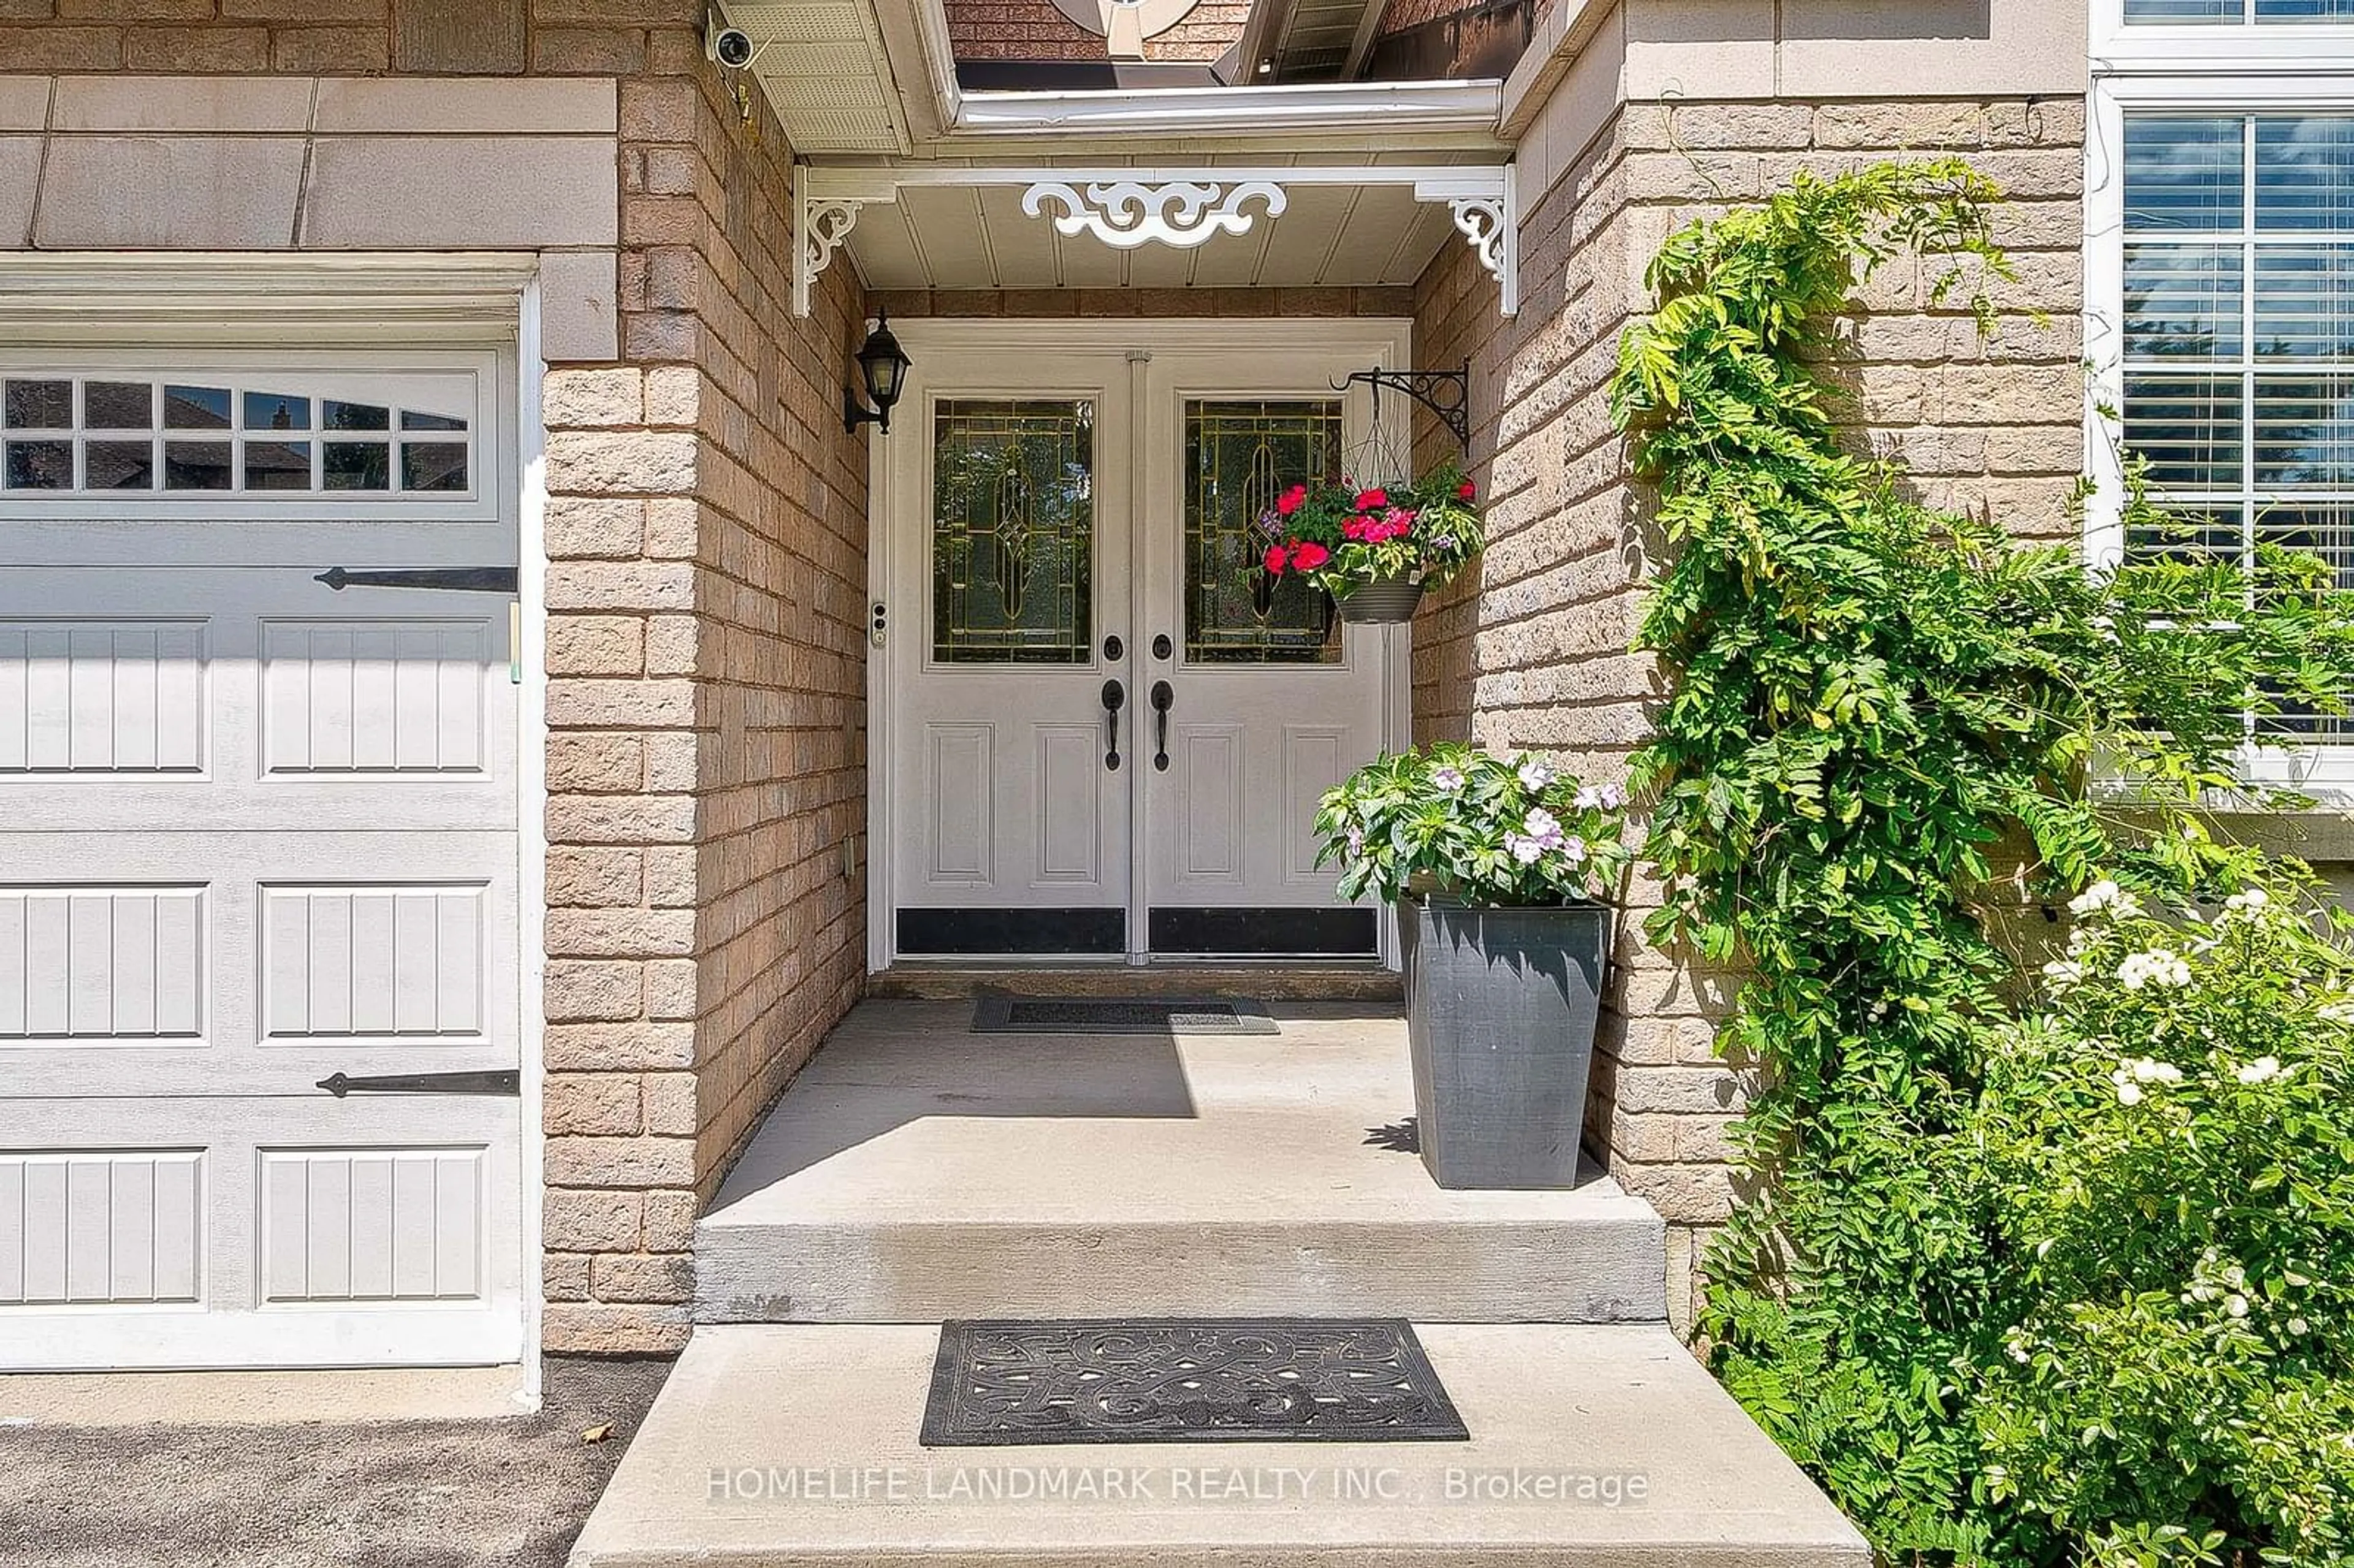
x=1592, y=1446
x=918, y=1171
x=352, y=1493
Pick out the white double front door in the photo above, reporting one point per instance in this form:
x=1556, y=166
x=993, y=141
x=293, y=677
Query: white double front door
x=1103, y=731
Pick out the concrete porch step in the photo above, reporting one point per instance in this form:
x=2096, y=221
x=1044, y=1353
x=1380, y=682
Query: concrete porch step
x=1591, y=1448
x=916, y=1172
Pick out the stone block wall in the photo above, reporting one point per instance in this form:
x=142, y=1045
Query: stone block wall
x=707, y=709
x=1534, y=653
x=705, y=524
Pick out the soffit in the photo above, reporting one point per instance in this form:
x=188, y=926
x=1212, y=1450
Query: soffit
x=825, y=70
x=1327, y=236
x=1318, y=40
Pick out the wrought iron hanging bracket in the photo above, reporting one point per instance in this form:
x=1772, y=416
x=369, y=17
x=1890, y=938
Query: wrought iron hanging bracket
x=1446, y=393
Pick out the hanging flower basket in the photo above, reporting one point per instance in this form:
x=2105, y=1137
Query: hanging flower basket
x=1374, y=550
x=1382, y=602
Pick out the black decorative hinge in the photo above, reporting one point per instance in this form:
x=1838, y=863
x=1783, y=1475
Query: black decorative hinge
x=507, y=1081
x=1446, y=393
x=450, y=579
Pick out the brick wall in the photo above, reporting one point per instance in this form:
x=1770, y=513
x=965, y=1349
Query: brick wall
x=1534, y=653
x=706, y=536
x=707, y=721
x=1038, y=30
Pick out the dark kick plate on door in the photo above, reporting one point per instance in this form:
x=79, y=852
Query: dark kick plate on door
x=1209, y=1380
x=989, y=933
x=1326, y=933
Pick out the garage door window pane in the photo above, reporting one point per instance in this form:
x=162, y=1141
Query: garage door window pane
x=38, y=404
x=196, y=465
x=432, y=466
x=357, y=417
x=277, y=465
x=40, y=465
x=276, y=411
x=121, y=465
x=358, y=465
x=195, y=407
x=119, y=405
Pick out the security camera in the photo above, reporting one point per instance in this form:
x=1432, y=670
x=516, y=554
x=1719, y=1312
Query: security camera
x=730, y=46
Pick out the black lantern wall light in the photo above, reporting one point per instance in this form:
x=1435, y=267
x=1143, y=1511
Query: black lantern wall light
x=882, y=366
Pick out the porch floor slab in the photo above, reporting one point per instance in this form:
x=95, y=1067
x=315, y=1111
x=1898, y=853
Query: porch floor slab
x=916, y=1172
x=1591, y=1448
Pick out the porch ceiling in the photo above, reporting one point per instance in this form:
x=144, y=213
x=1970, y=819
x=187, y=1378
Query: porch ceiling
x=1328, y=235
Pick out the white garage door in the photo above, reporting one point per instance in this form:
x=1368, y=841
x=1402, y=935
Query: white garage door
x=257, y=832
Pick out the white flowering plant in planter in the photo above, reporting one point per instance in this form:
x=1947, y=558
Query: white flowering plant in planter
x=2169, y=1143
x=1474, y=826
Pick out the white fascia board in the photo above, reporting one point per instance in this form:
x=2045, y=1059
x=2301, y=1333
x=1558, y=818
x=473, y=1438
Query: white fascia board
x=923, y=66
x=1195, y=111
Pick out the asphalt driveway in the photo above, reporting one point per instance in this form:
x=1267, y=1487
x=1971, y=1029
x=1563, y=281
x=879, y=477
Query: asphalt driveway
x=408, y=1494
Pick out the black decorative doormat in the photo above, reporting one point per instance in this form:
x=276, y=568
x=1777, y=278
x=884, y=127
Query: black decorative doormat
x=999, y=1013
x=1186, y=1380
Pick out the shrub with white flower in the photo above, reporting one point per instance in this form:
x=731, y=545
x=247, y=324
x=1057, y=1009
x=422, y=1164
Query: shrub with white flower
x=2171, y=1140
x=2158, y=967
x=1469, y=824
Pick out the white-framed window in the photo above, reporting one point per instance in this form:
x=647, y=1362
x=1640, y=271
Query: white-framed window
x=2235, y=12
x=2220, y=294
x=121, y=434
x=153, y=437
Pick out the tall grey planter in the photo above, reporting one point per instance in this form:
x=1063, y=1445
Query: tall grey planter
x=1501, y=1010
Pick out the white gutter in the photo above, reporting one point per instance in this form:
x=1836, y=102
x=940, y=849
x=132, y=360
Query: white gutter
x=1234, y=111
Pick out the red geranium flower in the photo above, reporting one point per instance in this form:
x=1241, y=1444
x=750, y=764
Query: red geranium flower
x=1466, y=491
x=1292, y=500
x=1372, y=499
x=1355, y=528
x=1276, y=555
x=1309, y=555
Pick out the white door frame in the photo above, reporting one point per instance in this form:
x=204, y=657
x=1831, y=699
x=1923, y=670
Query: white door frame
x=1362, y=343
x=84, y=303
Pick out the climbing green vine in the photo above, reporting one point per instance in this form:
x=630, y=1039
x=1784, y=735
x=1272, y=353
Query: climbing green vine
x=1887, y=761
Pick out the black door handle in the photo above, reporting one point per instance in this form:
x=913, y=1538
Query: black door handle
x=1114, y=694
x=1164, y=697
